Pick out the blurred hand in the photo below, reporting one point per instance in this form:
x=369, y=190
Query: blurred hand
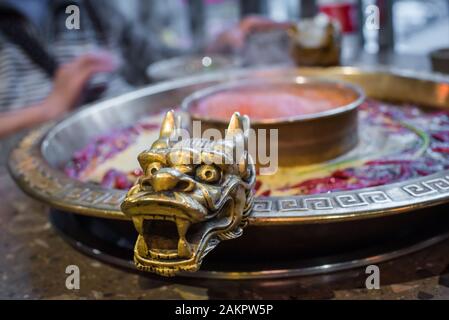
x=71, y=79
x=235, y=38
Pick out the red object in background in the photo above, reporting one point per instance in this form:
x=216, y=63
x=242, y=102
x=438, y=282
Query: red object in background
x=345, y=12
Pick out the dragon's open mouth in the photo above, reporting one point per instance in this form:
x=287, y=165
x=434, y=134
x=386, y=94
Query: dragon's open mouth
x=165, y=237
x=173, y=235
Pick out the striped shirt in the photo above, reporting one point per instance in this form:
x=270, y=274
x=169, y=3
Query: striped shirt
x=24, y=83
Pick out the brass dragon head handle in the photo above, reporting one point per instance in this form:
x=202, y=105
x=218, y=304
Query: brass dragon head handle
x=193, y=194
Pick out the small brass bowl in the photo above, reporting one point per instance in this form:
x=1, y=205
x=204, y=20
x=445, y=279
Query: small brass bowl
x=303, y=139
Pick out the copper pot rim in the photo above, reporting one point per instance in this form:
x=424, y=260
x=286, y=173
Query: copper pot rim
x=359, y=94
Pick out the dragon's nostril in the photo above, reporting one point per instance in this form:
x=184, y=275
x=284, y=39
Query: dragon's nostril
x=146, y=183
x=183, y=185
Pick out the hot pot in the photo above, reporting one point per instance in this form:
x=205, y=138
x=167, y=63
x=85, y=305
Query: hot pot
x=285, y=236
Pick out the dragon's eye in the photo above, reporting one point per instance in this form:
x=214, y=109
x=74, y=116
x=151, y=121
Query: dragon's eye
x=208, y=173
x=153, y=168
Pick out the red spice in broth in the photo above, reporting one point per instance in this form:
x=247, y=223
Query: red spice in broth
x=273, y=102
x=392, y=167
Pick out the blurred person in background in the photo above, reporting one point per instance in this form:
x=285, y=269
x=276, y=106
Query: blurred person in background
x=46, y=69
x=234, y=39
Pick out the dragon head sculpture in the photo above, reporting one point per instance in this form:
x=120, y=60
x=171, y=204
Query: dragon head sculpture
x=193, y=194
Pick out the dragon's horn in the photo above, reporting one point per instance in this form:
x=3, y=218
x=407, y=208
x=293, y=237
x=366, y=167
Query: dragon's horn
x=235, y=126
x=238, y=131
x=168, y=125
x=168, y=129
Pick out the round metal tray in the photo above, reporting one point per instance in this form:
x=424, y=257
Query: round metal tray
x=112, y=241
x=292, y=228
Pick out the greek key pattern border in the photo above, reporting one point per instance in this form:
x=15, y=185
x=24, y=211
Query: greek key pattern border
x=428, y=187
x=321, y=202
x=53, y=186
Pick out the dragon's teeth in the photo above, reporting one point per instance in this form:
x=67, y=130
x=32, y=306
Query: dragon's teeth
x=138, y=224
x=183, y=226
x=184, y=250
x=142, y=246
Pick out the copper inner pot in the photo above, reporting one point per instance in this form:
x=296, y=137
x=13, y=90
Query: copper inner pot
x=316, y=119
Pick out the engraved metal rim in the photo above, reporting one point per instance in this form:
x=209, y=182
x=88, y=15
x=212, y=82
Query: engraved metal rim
x=37, y=178
x=299, y=80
